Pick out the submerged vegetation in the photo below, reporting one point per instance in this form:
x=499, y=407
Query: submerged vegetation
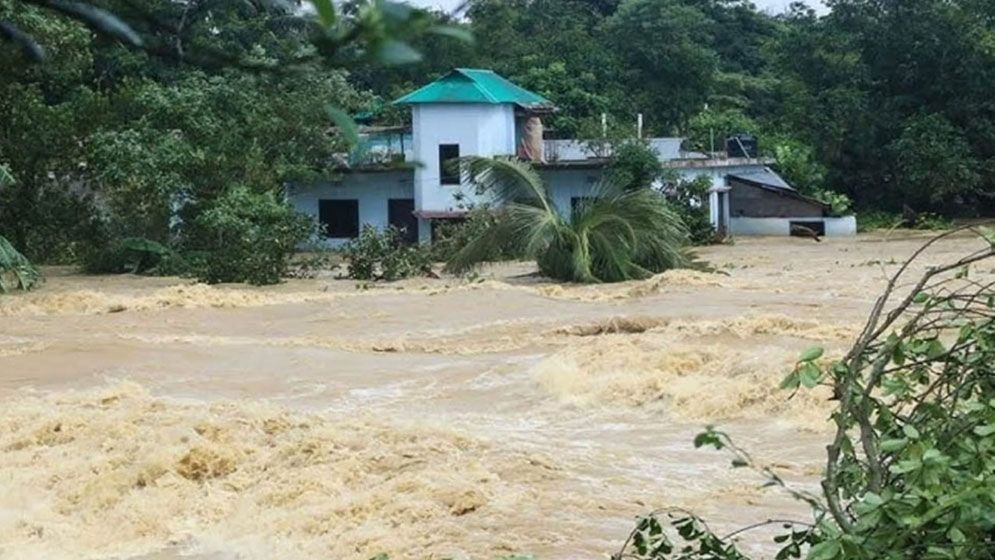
x=382, y=255
x=618, y=234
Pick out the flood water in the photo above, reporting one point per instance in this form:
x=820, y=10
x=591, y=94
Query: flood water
x=155, y=418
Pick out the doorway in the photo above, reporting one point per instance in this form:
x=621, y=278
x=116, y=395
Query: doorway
x=401, y=214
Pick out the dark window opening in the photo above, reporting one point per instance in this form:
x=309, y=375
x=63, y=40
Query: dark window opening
x=401, y=214
x=340, y=218
x=449, y=164
x=806, y=229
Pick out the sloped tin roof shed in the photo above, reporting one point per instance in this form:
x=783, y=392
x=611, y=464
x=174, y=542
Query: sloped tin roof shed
x=470, y=85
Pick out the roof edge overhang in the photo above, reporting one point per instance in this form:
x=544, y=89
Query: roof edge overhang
x=779, y=191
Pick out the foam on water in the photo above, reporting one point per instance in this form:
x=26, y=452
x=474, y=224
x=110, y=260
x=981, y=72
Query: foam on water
x=118, y=472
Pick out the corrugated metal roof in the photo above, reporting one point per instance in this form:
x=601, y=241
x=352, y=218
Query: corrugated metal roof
x=470, y=85
x=765, y=177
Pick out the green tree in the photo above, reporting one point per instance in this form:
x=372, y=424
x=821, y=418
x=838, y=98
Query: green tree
x=634, y=164
x=615, y=235
x=710, y=128
x=797, y=163
x=664, y=46
x=934, y=163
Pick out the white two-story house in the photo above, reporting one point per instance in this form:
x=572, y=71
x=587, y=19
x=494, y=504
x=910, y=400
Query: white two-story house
x=399, y=176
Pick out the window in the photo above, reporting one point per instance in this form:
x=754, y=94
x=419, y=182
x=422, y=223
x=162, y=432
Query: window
x=340, y=218
x=448, y=166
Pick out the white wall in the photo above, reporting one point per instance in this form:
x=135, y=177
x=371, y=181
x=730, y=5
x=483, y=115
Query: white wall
x=579, y=150
x=835, y=227
x=372, y=190
x=565, y=184
x=479, y=129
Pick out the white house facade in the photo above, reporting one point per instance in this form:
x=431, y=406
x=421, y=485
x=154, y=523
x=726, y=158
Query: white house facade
x=409, y=181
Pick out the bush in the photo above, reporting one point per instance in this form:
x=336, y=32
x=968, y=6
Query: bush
x=690, y=200
x=634, y=164
x=135, y=255
x=879, y=219
x=839, y=203
x=453, y=235
x=247, y=237
x=382, y=255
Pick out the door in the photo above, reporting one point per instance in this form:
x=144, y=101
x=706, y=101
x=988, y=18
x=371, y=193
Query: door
x=401, y=214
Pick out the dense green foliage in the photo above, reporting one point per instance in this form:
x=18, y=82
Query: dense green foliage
x=452, y=235
x=910, y=473
x=617, y=234
x=247, y=237
x=886, y=102
x=689, y=199
x=144, y=118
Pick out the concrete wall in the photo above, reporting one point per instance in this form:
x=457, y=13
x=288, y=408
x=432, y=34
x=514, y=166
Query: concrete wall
x=372, y=190
x=835, y=227
x=579, y=150
x=565, y=184
x=479, y=129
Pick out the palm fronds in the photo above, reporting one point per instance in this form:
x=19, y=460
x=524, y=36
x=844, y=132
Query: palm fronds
x=16, y=272
x=617, y=234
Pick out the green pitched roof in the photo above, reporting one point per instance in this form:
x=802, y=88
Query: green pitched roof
x=469, y=85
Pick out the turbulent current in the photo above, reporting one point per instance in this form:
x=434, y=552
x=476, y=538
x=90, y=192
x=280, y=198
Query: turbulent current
x=158, y=419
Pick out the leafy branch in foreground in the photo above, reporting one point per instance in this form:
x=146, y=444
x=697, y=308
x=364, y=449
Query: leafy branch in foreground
x=379, y=30
x=910, y=471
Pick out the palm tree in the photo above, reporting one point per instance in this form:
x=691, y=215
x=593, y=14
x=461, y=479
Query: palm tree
x=15, y=270
x=614, y=235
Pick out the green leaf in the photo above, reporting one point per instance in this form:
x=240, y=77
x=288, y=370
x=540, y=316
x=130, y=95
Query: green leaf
x=792, y=381
x=326, y=12
x=453, y=31
x=873, y=499
x=910, y=431
x=812, y=354
x=956, y=536
x=985, y=431
x=345, y=124
x=920, y=298
x=935, y=349
x=891, y=445
x=809, y=375
x=825, y=551
x=710, y=438
x=396, y=52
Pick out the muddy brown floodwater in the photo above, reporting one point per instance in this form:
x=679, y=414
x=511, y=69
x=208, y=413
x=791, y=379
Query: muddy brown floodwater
x=155, y=418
